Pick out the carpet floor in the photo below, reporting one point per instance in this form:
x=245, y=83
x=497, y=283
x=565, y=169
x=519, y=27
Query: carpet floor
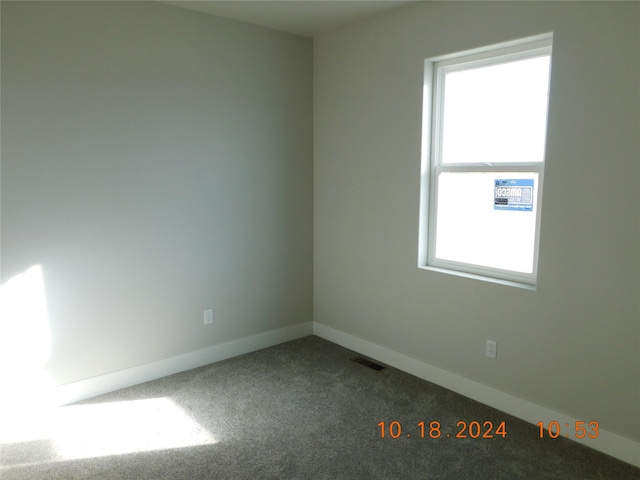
x=299, y=410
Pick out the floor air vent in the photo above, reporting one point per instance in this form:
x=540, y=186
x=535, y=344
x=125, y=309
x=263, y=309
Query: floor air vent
x=367, y=363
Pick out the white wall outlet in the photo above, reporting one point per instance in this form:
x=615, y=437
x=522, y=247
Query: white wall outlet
x=208, y=317
x=492, y=349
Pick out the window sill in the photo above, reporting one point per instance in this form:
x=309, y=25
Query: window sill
x=474, y=276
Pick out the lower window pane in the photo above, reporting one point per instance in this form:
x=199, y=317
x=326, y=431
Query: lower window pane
x=487, y=219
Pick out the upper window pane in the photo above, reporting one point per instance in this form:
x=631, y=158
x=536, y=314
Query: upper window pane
x=496, y=113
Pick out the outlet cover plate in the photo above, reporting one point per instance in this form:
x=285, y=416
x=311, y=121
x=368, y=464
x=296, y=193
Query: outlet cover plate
x=492, y=349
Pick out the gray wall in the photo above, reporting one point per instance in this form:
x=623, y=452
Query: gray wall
x=574, y=344
x=155, y=162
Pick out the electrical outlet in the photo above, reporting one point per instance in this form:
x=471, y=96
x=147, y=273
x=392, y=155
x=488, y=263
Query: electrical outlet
x=492, y=349
x=208, y=316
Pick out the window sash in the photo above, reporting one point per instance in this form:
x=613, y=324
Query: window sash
x=483, y=270
x=524, y=51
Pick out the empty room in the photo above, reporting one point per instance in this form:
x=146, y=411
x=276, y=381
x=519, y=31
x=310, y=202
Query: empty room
x=320, y=240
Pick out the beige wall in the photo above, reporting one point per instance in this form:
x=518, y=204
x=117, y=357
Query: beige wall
x=574, y=344
x=155, y=162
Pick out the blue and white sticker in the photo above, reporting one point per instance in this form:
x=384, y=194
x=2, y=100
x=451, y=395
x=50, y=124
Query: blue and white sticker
x=513, y=194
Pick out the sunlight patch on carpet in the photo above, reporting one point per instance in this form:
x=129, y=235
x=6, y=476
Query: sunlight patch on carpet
x=117, y=428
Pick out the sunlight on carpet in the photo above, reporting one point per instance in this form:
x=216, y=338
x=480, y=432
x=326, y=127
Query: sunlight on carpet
x=115, y=428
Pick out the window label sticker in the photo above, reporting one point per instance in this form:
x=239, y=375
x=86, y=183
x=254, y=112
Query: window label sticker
x=513, y=194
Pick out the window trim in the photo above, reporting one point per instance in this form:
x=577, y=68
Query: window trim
x=433, y=95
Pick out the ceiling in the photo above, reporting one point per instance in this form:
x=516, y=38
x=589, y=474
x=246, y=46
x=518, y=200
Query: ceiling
x=301, y=17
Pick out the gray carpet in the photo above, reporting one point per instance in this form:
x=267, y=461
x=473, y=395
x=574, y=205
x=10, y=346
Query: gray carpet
x=303, y=410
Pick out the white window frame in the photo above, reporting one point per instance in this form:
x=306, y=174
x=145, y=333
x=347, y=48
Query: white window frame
x=433, y=112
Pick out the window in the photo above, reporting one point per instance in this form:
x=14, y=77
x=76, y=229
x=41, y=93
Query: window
x=485, y=118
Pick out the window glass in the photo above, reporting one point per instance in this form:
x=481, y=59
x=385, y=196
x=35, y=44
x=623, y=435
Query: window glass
x=474, y=228
x=496, y=113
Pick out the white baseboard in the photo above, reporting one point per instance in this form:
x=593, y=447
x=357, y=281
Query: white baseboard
x=619, y=447
x=91, y=387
